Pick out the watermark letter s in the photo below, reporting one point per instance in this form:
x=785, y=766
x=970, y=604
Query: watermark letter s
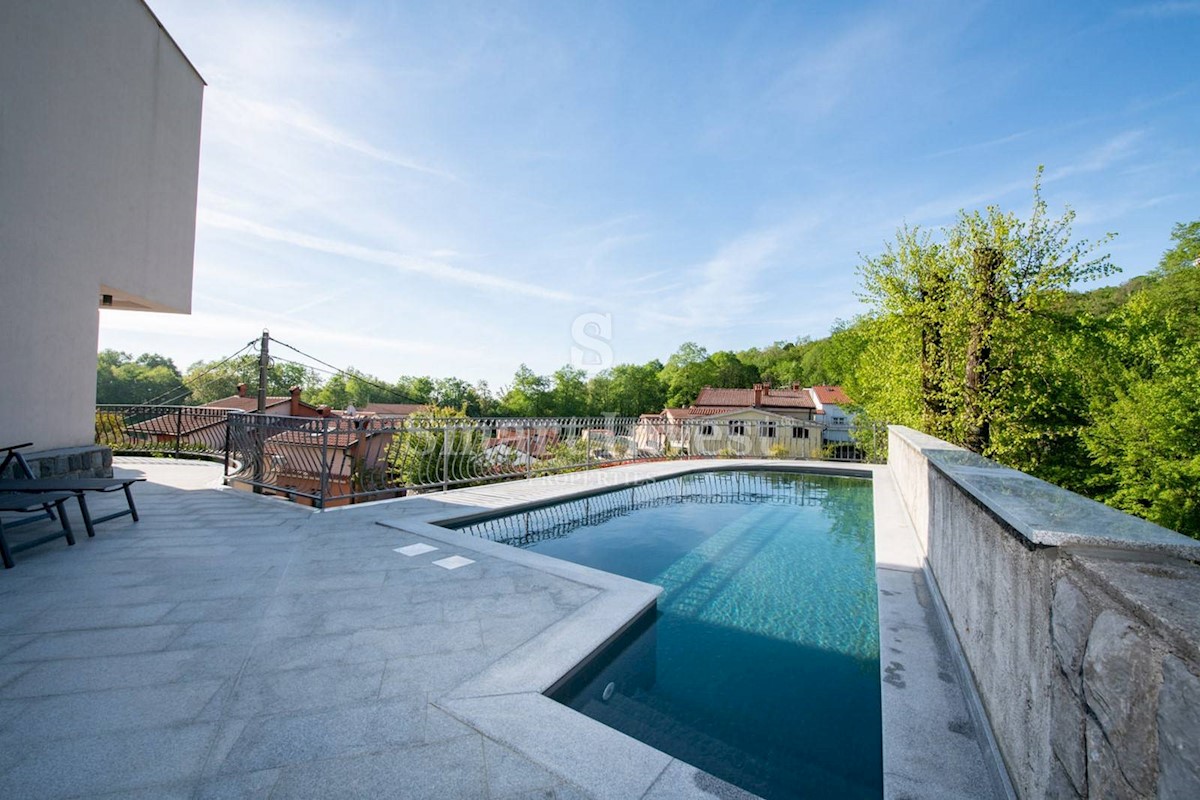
x=592, y=337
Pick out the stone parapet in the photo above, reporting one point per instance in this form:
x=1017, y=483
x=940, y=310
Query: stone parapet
x=1080, y=624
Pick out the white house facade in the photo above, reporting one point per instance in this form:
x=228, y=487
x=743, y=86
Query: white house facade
x=834, y=406
x=99, y=157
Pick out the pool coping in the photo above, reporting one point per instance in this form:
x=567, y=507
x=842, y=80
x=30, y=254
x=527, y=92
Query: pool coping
x=507, y=702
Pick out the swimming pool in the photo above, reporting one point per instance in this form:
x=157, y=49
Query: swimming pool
x=760, y=664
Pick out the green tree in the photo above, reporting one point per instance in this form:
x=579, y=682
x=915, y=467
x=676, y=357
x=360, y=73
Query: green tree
x=213, y=380
x=1185, y=253
x=725, y=369
x=685, y=374
x=691, y=368
x=530, y=395
x=355, y=388
x=834, y=359
x=457, y=393
x=967, y=315
x=568, y=393
x=1144, y=431
x=633, y=390
x=148, y=378
x=413, y=389
x=1146, y=442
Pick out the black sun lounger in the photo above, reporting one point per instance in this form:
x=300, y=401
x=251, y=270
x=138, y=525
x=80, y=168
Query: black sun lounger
x=27, y=502
x=77, y=487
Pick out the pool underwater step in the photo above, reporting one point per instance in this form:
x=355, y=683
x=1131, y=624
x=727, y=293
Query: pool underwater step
x=680, y=580
x=644, y=719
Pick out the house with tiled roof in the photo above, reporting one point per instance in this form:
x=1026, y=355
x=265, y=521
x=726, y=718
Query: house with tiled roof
x=793, y=421
x=793, y=401
x=834, y=404
x=762, y=421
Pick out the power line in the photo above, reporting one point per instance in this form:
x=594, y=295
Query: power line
x=193, y=379
x=335, y=371
x=390, y=390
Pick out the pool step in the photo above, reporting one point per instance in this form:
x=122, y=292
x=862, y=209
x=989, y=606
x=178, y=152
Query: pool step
x=661, y=729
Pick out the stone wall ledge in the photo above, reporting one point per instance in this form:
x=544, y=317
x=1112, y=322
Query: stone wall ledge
x=1041, y=514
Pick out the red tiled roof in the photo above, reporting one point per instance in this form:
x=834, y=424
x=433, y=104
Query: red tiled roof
x=744, y=398
x=184, y=422
x=317, y=439
x=832, y=394
x=196, y=418
x=684, y=413
x=239, y=403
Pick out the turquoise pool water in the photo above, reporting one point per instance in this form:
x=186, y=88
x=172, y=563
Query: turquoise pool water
x=761, y=663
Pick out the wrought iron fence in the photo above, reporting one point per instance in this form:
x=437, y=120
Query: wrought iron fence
x=715, y=488
x=337, y=459
x=167, y=430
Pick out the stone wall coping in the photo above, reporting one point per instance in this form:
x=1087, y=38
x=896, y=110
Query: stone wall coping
x=1040, y=513
x=41, y=455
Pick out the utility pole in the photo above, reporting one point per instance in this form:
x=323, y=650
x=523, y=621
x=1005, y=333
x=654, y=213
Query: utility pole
x=264, y=362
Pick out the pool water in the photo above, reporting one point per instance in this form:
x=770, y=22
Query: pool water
x=761, y=663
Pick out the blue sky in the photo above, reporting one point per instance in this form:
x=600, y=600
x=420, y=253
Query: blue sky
x=445, y=188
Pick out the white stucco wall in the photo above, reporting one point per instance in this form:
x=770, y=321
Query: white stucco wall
x=99, y=153
x=835, y=431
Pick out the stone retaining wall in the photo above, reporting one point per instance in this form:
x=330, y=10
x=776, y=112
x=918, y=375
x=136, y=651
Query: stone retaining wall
x=1125, y=695
x=1080, y=625
x=91, y=461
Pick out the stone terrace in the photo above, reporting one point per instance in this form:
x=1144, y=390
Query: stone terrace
x=230, y=645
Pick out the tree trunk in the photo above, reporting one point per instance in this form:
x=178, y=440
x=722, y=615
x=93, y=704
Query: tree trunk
x=932, y=292
x=985, y=301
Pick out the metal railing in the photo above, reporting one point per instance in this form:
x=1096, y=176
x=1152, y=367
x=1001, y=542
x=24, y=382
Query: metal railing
x=340, y=459
x=162, y=430
x=714, y=488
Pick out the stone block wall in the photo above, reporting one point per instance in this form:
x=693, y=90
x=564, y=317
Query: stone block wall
x=1125, y=694
x=92, y=461
x=1084, y=648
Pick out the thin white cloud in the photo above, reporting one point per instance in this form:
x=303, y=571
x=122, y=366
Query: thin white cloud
x=976, y=146
x=723, y=290
x=1115, y=149
x=823, y=78
x=1103, y=156
x=398, y=261
x=317, y=339
x=311, y=125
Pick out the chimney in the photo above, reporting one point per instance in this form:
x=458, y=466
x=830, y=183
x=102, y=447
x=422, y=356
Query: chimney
x=795, y=387
x=758, y=395
x=241, y=390
x=323, y=411
x=295, y=409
